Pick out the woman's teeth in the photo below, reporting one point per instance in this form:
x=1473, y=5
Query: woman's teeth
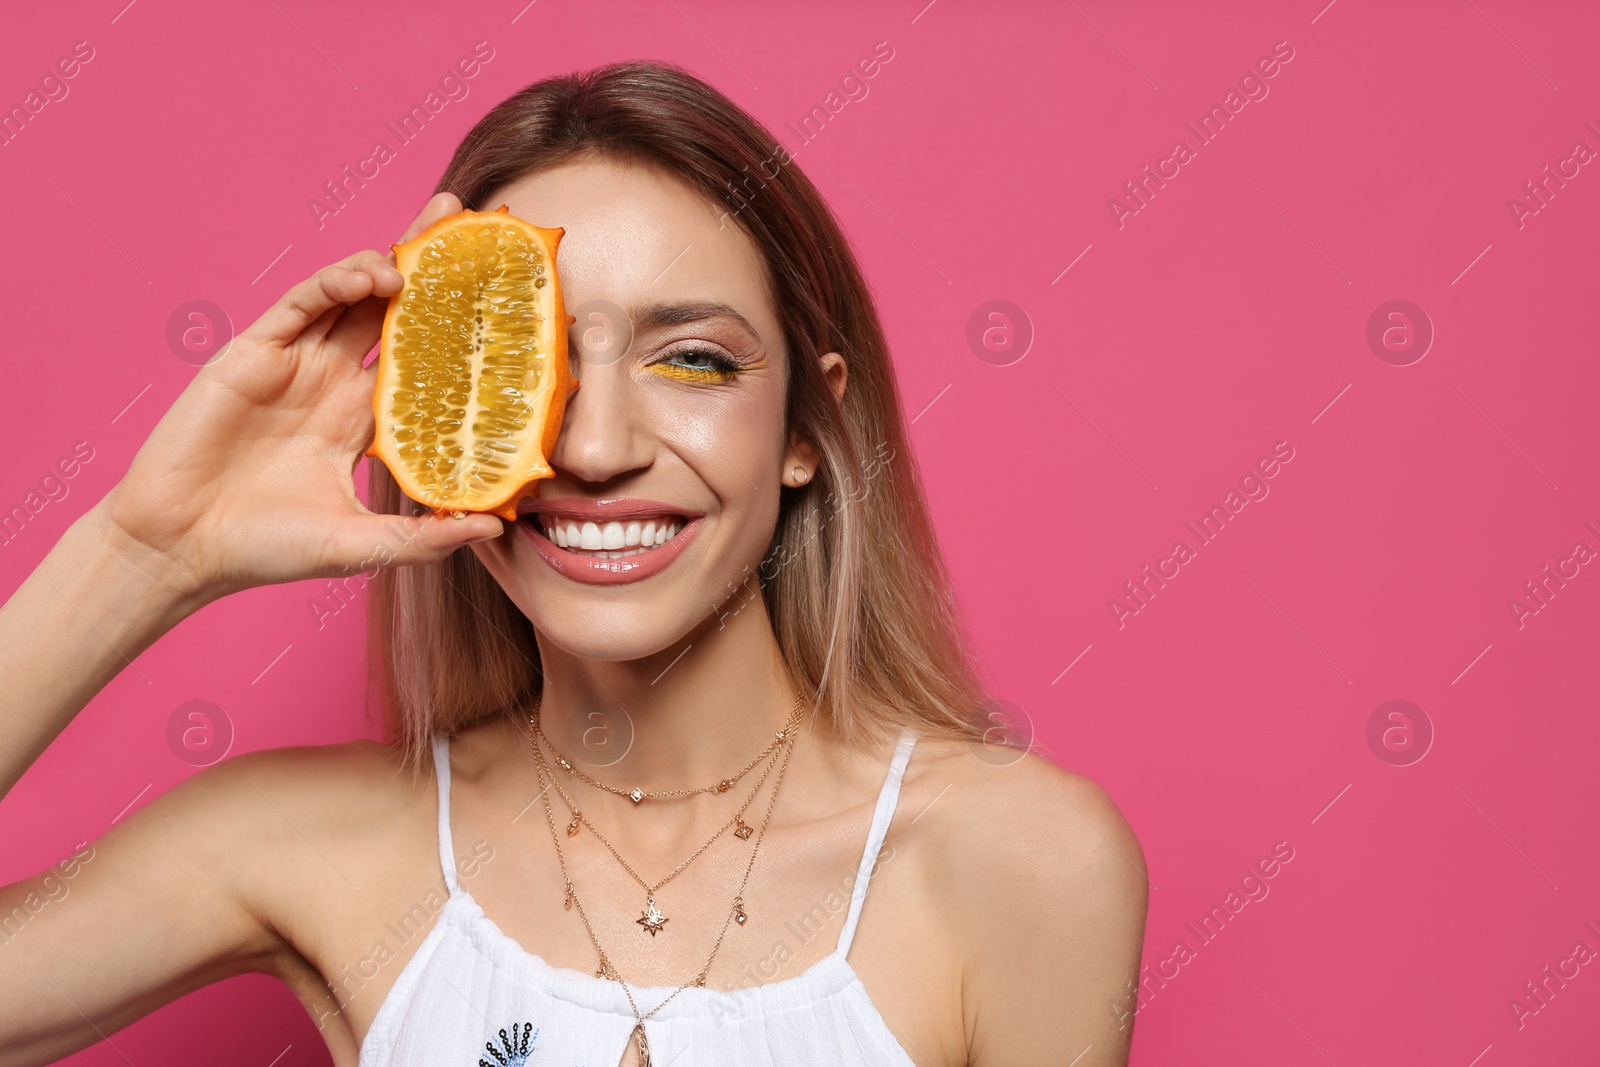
x=611, y=540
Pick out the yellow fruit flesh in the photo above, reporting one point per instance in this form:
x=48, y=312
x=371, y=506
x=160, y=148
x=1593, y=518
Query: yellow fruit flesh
x=470, y=342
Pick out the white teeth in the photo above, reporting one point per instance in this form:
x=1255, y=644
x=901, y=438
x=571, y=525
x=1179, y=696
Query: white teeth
x=612, y=539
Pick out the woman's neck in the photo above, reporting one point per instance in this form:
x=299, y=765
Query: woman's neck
x=684, y=718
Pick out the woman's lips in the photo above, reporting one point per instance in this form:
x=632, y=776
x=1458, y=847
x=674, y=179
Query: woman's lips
x=583, y=566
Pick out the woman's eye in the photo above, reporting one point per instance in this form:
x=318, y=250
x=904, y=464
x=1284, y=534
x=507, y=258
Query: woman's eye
x=697, y=365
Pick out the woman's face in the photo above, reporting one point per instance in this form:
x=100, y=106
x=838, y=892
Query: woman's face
x=669, y=463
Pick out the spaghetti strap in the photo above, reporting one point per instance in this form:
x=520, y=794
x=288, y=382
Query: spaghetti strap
x=441, y=769
x=881, y=817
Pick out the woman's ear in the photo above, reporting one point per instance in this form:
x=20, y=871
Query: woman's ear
x=836, y=372
x=801, y=461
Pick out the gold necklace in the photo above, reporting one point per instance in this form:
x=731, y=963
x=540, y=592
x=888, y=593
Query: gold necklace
x=651, y=920
x=639, y=796
x=736, y=913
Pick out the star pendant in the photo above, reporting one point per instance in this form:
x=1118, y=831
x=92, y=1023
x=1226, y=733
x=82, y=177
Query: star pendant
x=651, y=918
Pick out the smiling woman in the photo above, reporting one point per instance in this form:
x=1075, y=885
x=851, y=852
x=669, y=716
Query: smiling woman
x=712, y=790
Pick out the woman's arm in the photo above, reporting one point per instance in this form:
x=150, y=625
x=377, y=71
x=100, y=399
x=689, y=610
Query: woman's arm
x=245, y=481
x=88, y=610
x=159, y=905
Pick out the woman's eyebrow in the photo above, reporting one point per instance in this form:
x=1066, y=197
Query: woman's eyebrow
x=658, y=315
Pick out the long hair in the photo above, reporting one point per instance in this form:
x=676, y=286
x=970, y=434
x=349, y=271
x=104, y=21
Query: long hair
x=855, y=587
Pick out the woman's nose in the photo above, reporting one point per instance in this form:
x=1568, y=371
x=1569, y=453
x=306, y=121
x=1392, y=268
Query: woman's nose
x=600, y=437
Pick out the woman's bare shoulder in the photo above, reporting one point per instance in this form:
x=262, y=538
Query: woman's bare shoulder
x=1039, y=883
x=292, y=830
x=1009, y=817
x=304, y=805
x=326, y=786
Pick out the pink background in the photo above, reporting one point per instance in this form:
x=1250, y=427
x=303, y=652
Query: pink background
x=1228, y=314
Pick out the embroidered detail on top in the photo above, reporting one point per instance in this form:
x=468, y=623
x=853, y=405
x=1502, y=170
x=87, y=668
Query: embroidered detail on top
x=514, y=1046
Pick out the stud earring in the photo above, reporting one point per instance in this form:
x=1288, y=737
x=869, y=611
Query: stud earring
x=801, y=475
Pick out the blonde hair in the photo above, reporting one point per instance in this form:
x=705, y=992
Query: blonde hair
x=855, y=588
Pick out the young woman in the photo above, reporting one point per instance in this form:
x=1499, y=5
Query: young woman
x=652, y=743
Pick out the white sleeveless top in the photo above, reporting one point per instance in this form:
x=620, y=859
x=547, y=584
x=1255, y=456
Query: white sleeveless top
x=473, y=997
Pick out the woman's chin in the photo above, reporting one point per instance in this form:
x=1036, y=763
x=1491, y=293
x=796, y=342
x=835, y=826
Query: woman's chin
x=611, y=637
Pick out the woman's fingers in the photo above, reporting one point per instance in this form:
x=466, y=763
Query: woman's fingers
x=208, y=488
x=352, y=329
x=333, y=285
x=386, y=281
x=350, y=281
x=400, y=540
x=358, y=329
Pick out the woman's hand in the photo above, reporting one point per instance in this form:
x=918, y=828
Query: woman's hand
x=247, y=478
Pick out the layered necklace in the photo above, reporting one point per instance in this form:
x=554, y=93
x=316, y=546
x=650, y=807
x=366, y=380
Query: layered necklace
x=652, y=921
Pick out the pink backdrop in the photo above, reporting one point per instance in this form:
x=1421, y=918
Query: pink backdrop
x=1240, y=704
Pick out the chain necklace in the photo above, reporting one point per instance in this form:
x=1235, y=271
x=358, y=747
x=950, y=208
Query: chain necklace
x=742, y=830
x=735, y=913
x=651, y=920
x=639, y=796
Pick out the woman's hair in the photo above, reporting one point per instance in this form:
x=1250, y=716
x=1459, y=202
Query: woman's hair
x=856, y=590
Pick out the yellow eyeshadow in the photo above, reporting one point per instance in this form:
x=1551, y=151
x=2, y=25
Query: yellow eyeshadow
x=702, y=374
x=692, y=374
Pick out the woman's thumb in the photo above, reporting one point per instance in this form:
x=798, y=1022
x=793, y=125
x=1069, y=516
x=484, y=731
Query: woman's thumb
x=400, y=540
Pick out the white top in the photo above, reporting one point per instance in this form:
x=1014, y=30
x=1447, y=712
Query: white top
x=473, y=997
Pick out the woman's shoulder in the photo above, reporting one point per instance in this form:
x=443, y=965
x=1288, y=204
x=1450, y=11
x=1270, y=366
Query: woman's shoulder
x=1003, y=823
x=357, y=798
x=1018, y=802
x=280, y=835
x=273, y=818
x=312, y=821
x=296, y=803
x=354, y=775
x=1038, y=882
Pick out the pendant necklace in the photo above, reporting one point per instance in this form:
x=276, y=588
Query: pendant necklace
x=736, y=912
x=651, y=920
